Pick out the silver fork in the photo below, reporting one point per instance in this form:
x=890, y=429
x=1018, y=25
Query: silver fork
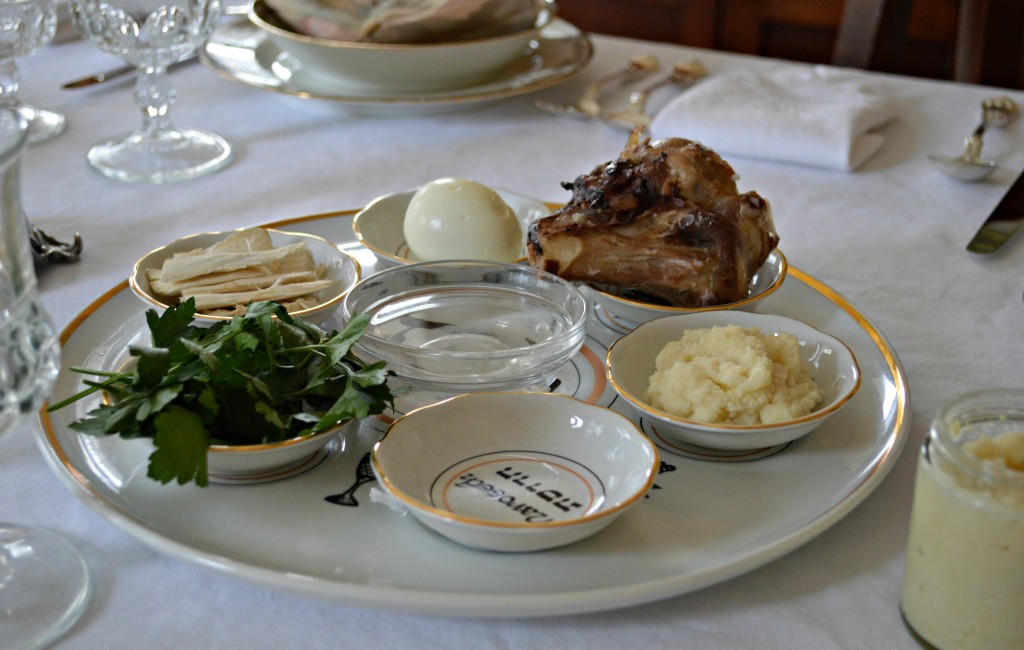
x=684, y=74
x=587, y=106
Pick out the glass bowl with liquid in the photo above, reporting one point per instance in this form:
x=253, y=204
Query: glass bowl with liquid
x=461, y=326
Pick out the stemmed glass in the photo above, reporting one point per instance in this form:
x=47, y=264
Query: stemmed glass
x=26, y=26
x=44, y=583
x=151, y=34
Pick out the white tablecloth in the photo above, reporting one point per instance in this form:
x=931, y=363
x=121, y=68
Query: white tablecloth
x=889, y=238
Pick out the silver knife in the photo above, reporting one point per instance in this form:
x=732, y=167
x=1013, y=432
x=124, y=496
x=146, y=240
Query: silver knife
x=1005, y=220
x=117, y=73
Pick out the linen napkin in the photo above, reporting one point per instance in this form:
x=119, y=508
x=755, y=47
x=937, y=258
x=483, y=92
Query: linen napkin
x=816, y=116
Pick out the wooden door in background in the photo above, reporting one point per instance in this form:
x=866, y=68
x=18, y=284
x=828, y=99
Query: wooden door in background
x=805, y=30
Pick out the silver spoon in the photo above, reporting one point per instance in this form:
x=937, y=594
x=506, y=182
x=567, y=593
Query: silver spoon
x=969, y=167
x=587, y=106
x=635, y=113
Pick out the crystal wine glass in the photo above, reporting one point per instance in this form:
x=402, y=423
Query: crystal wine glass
x=44, y=583
x=26, y=26
x=151, y=34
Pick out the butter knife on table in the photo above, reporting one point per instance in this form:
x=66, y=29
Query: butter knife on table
x=119, y=72
x=1004, y=221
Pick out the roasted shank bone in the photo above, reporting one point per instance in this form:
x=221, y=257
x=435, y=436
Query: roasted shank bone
x=664, y=219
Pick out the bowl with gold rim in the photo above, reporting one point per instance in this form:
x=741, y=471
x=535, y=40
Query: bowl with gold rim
x=732, y=380
x=400, y=67
x=332, y=273
x=515, y=471
x=627, y=308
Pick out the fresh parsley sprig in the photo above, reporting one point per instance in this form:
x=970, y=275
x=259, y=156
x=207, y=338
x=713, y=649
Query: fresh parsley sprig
x=259, y=378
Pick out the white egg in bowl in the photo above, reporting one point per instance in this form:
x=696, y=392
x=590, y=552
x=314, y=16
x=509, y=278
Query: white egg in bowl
x=626, y=308
x=725, y=389
x=336, y=272
x=380, y=227
x=515, y=471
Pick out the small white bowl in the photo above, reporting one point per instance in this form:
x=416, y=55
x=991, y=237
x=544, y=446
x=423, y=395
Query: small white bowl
x=403, y=68
x=339, y=267
x=233, y=463
x=379, y=226
x=622, y=306
x=515, y=471
x=631, y=362
x=463, y=325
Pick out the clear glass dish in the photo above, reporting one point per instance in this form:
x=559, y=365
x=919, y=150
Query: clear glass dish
x=468, y=325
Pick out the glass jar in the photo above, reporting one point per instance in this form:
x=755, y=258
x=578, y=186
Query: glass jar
x=964, y=576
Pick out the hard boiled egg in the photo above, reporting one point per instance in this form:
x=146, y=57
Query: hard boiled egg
x=452, y=218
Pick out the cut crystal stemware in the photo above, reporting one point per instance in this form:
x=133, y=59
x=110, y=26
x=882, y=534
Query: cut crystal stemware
x=44, y=582
x=152, y=34
x=26, y=26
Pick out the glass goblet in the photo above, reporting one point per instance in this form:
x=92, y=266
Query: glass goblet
x=151, y=34
x=44, y=583
x=26, y=26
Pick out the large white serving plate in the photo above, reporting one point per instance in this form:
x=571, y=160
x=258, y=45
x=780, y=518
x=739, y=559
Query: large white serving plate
x=242, y=52
x=705, y=521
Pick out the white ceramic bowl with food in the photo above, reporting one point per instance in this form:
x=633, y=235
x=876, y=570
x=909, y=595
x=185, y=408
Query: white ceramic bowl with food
x=515, y=471
x=340, y=269
x=268, y=461
x=627, y=309
x=402, y=68
x=630, y=362
x=255, y=463
x=463, y=325
x=379, y=226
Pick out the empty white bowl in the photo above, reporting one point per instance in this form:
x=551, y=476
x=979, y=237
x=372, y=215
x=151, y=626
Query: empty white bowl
x=625, y=306
x=404, y=68
x=631, y=362
x=458, y=326
x=339, y=267
x=515, y=471
x=379, y=226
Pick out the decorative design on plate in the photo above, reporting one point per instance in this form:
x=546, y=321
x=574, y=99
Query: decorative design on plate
x=364, y=474
x=518, y=486
x=277, y=474
x=583, y=377
x=687, y=450
x=663, y=468
x=612, y=322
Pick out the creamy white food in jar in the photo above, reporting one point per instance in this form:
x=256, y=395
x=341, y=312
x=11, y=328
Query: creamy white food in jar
x=964, y=574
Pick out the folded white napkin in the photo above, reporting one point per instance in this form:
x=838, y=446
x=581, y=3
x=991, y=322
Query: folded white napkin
x=817, y=116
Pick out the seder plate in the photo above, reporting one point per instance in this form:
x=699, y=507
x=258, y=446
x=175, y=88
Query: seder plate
x=242, y=52
x=321, y=530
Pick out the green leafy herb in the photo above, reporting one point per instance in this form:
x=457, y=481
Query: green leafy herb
x=259, y=378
